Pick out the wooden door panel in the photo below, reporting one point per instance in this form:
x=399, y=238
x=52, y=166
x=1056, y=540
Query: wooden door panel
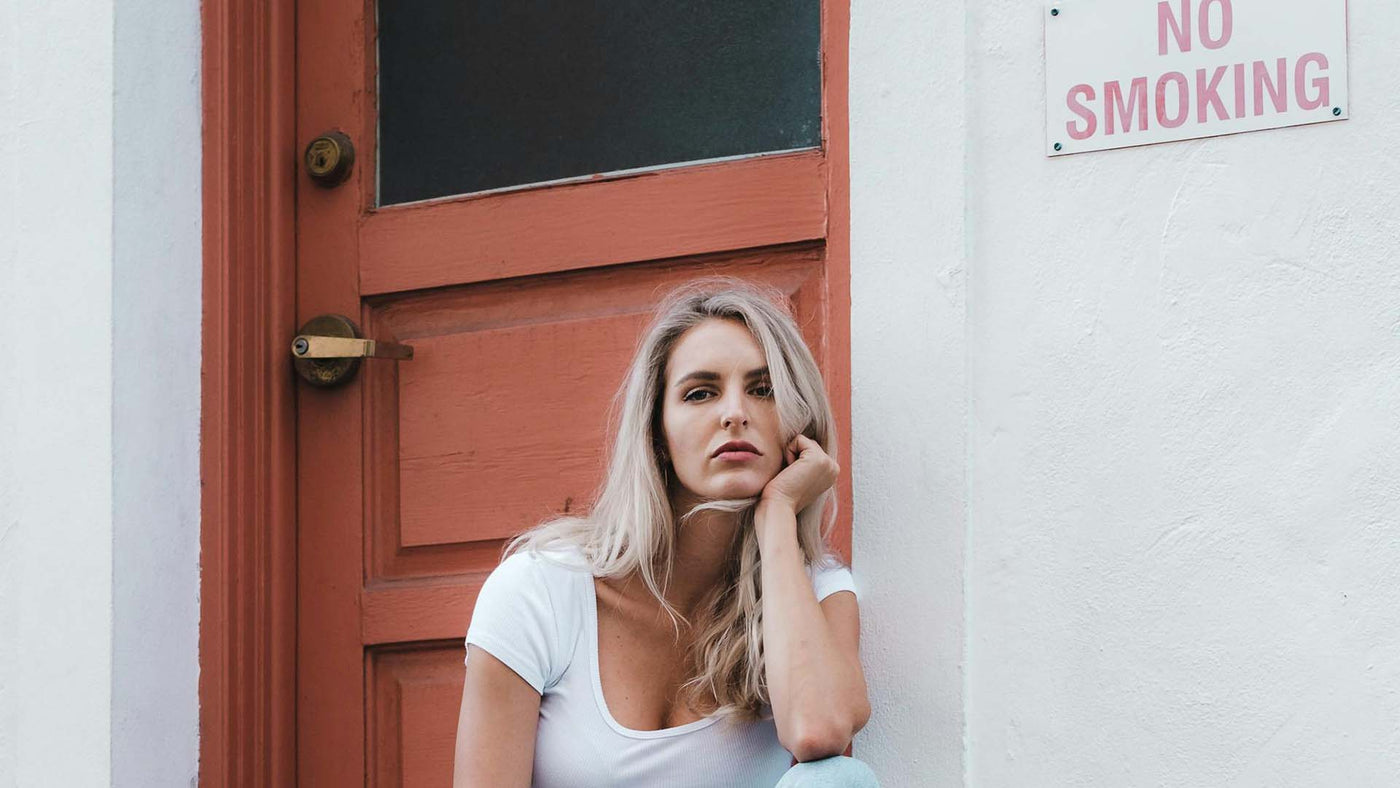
x=413, y=696
x=457, y=465
x=473, y=463
x=647, y=216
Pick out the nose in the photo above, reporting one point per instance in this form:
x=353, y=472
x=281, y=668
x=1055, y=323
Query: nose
x=733, y=412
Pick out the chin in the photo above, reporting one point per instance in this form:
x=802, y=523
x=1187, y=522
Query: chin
x=748, y=484
x=738, y=488
x=737, y=493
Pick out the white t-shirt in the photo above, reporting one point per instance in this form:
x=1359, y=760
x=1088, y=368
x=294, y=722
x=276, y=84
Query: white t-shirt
x=541, y=620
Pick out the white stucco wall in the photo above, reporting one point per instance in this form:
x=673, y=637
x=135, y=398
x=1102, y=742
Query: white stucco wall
x=908, y=128
x=56, y=401
x=156, y=319
x=1183, y=467
x=99, y=414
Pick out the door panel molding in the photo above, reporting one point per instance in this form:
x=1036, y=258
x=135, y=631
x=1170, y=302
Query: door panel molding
x=741, y=204
x=247, y=627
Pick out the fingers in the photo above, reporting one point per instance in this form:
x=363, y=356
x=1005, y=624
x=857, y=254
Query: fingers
x=801, y=444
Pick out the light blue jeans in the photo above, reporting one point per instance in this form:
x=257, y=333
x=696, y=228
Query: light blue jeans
x=837, y=771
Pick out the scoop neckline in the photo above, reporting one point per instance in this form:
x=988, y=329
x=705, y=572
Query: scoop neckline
x=595, y=665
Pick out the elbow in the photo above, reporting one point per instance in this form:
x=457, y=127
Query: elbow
x=814, y=746
x=812, y=738
x=815, y=742
x=860, y=717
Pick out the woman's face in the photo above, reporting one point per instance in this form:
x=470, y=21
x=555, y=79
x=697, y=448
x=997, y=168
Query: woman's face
x=717, y=392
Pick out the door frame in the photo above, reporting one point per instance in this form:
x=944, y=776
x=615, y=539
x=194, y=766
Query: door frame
x=247, y=629
x=248, y=569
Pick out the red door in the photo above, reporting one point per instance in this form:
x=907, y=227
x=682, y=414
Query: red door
x=522, y=306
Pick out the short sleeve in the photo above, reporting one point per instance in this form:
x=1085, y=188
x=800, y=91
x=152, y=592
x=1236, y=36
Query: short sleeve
x=829, y=576
x=514, y=619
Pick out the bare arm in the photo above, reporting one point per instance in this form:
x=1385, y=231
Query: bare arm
x=811, y=650
x=496, y=725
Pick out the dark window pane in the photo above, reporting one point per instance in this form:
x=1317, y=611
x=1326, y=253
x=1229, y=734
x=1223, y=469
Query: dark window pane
x=479, y=95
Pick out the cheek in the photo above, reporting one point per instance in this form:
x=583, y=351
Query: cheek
x=677, y=435
x=775, y=465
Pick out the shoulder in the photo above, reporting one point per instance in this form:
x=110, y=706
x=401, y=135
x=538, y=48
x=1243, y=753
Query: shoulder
x=545, y=583
x=527, y=614
x=552, y=572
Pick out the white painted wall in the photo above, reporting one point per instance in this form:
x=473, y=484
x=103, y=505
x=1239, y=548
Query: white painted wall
x=1183, y=467
x=99, y=315
x=156, y=316
x=908, y=130
x=56, y=401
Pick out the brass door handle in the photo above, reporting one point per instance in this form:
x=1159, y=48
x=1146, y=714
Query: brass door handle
x=326, y=352
x=312, y=346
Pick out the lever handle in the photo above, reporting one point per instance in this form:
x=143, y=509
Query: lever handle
x=312, y=346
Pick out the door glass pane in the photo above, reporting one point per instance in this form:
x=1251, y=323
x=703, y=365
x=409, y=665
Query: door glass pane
x=483, y=94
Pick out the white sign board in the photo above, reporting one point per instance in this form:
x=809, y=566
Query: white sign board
x=1135, y=72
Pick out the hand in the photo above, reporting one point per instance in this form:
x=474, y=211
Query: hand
x=808, y=473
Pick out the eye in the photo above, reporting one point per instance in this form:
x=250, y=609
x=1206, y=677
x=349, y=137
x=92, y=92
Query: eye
x=763, y=390
x=690, y=396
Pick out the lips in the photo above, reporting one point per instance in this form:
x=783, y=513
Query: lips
x=737, y=446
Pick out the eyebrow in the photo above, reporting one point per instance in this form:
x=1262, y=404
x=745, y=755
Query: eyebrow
x=706, y=375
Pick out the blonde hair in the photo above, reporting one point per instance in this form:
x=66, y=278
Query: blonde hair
x=630, y=527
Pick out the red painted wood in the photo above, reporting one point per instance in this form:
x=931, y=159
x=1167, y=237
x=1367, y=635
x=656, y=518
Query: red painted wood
x=646, y=216
x=460, y=508
x=523, y=307
x=836, y=366
x=836, y=35
x=576, y=298
x=471, y=457
x=332, y=48
x=247, y=631
x=416, y=694
x=414, y=593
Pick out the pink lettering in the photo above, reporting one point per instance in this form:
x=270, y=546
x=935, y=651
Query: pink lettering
x=1239, y=90
x=1208, y=95
x=1227, y=23
x=1091, y=123
x=1300, y=75
x=1183, y=98
x=1278, y=90
x=1180, y=28
x=1114, y=109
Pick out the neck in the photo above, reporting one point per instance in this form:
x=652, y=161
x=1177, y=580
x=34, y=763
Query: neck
x=702, y=548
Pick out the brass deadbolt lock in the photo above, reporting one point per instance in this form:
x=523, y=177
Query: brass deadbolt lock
x=327, y=351
x=329, y=158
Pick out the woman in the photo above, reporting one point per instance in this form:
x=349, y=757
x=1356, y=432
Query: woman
x=691, y=628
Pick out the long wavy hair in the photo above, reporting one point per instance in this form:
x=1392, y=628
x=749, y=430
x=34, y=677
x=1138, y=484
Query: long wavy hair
x=631, y=528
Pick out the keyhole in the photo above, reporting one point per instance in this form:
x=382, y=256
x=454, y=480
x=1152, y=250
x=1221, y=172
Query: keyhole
x=328, y=158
